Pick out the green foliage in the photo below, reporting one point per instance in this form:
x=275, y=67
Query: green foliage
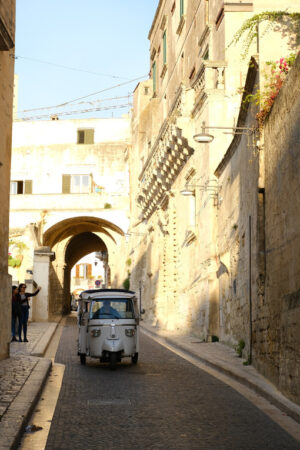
x=214, y=338
x=240, y=347
x=128, y=262
x=126, y=284
x=274, y=78
x=20, y=245
x=107, y=205
x=14, y=262
x=249, y=29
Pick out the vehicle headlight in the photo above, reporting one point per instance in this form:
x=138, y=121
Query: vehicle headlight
x=96, y=332
x=130, y=332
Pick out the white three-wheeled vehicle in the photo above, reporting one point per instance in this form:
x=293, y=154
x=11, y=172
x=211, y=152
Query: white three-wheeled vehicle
x=108, y=321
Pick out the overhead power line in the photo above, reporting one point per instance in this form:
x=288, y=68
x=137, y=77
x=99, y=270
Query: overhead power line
x=69, y=68
x=93, y=93
x=94, y=102
x=83, y=111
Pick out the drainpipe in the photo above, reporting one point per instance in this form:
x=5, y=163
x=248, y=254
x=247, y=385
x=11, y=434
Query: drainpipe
x=250, y=295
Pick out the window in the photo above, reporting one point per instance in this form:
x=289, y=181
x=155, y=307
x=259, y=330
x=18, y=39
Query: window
x=154, y=76
x=85, y=136
x=181, y=9
x=21, y=187
x=75, y=184
x=206, y=54
x=108, y=308
x=165, y=48
x=83, y=271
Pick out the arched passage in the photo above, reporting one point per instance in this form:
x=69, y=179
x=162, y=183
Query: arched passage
x=79, y=246
x=76, y=225
x=72, y=239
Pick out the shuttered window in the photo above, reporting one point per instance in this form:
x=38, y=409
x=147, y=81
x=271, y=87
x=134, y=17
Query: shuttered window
x=21, y=187
x=76, y=184
x=181, y=10
x=85, y=136
x=165, y=48
x=154, y=76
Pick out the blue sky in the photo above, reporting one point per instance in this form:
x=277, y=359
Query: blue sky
x=107, y=38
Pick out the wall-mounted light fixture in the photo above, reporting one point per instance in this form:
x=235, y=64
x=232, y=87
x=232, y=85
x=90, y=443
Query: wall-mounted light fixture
x=204, y=138
x=212, y=189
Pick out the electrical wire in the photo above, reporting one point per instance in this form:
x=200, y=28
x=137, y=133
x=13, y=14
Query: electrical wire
x=100, y=100
x=68, y=68
x=93, y=93
x=22, y=119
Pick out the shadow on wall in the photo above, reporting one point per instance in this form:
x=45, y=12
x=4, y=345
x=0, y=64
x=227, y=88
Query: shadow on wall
x=56, y=295
x=143, y=280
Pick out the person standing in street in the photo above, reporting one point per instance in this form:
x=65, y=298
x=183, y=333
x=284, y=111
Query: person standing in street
x=16, y=314
x=25, y=306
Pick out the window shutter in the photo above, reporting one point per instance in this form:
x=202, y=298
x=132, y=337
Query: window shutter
x=165, y=48
x=80, y=136
x=154, y=76
x=28, y=187
x=181, y=7
x=77, y=270
x=66, y=184
x=89, y=136
x=89, y=270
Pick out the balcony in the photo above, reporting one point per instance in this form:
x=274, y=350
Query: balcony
x=210, y=77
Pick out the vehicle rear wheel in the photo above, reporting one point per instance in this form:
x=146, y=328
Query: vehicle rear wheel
x=135, y=358
x=82, y=359
x=113, y=361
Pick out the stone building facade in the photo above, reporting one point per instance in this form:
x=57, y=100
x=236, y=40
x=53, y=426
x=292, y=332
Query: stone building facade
x=277, y=340
x=7, y=39
x=69, y=198
x=199, y=258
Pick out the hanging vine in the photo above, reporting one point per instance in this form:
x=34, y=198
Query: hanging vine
x=274, y=79
x=250, y=26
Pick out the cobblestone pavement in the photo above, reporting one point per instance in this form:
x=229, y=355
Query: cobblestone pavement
x=163, y=402
x=13, y=374
x=14, y=371
x=35, y=331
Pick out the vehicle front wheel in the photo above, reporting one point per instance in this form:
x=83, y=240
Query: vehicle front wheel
x=82, y=359
x=113, y=361
x=135, y=358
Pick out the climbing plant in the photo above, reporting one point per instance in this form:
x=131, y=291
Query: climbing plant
x=249, y=29
x=20, y=246
x=274, y=79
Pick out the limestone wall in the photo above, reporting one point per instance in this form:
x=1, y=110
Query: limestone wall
x=7, y=16
x=278, y=333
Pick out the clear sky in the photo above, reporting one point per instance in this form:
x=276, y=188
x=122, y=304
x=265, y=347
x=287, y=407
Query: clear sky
x=108, y=38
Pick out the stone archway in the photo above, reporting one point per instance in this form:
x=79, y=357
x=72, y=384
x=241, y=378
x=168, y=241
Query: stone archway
x=70, y=240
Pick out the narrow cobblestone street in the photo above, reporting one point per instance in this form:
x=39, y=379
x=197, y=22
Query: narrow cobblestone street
x=162, y=403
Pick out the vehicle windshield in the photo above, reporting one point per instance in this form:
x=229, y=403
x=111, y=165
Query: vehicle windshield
x=116, y=308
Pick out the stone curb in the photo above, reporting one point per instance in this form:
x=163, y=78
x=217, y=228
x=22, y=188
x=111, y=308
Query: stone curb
x=13, y=422
x=258, y=384
x=43, y=343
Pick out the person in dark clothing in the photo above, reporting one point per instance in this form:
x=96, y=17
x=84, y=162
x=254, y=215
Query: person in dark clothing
x=25, y=306
x=16, y=314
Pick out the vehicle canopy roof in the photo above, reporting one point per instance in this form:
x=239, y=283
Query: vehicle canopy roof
x=92, y=294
